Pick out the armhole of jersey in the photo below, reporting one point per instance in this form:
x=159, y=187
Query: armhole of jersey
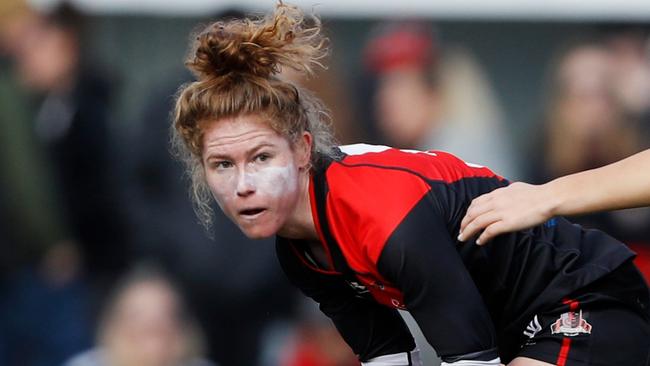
x=307, y=263
x=437, y=205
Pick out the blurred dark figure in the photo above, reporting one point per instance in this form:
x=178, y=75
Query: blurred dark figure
x=426, y=99
x=62, y=224
x=404, y=57
x=234, y=284
x=71, y=125
x=587, y=126
x=145, y=323
x=30, y=219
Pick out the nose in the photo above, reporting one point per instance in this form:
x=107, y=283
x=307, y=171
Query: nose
x=245, y=184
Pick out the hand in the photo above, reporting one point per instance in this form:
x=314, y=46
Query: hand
x=516, y=207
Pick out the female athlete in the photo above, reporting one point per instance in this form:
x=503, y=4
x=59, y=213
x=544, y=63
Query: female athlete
x=366, y=230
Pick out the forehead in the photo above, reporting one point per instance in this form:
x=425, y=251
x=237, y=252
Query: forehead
x=146, y=297
x=238, y=132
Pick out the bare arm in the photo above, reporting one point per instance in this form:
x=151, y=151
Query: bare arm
x=624, y=184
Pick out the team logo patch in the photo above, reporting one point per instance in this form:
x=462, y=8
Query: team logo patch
x=571, y=324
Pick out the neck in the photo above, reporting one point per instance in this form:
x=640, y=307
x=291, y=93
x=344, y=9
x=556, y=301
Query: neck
x=300, y=224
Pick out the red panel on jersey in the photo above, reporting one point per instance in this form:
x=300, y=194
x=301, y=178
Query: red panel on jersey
x=376, y=190
x=365, y=206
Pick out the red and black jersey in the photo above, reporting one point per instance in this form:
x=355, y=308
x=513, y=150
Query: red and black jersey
x=388, y=221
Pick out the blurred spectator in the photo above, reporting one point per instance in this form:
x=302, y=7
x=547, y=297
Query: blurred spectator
x=55, y=174
x=71, y=127
x=630, y=50
x=429, y=99
x=32, y=221
x=587, y=126
x=234, y=284
x=145, y=323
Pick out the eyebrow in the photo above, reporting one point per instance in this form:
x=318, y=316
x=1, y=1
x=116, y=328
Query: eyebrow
x=248, y=152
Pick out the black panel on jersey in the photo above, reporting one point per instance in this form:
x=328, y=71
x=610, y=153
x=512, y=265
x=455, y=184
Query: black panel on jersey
x=421, y=259
x=516, y=275
x=370, y=329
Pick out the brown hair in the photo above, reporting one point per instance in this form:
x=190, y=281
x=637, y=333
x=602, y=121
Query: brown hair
x=236, y=63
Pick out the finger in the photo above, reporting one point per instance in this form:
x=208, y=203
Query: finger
x=480, y=222
x=475, y=209
x=494, y=229
x=469, y=217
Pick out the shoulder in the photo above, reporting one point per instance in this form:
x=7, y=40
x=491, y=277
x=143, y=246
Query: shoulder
x=371, y=177
x=373, y=188
x=430, y=165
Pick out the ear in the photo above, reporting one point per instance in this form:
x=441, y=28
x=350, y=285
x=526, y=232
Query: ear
x=303, y=149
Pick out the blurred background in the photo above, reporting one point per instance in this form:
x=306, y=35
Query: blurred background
x=102, y=261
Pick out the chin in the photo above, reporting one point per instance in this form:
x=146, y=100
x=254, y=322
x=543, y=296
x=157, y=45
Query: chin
x=258, y=232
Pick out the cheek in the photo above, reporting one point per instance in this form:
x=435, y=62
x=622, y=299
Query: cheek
x=223, y=188
x=276, y=182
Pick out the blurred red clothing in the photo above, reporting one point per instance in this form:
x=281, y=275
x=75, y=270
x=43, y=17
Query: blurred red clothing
x=319, y=345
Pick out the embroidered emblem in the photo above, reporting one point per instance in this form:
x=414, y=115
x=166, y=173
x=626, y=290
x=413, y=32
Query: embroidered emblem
x=533, y=328
x=571, y=324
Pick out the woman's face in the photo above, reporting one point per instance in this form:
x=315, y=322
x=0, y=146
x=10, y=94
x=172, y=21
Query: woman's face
x=406, y=107
x=252, y=172
x=144, y=328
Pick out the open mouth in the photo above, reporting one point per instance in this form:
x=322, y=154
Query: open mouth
x=251, y=212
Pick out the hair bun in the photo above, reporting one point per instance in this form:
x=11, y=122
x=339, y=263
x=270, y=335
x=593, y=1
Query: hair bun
x=258, y=47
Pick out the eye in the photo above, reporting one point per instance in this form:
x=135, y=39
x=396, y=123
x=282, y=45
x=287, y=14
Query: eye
x=262, y=157
x=220, y=165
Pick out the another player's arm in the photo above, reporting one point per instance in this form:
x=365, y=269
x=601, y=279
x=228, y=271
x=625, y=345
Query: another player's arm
x=624, y=184
x=420, y=258
x=377, y=334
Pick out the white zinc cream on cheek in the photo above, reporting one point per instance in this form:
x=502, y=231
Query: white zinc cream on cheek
x=273, y=181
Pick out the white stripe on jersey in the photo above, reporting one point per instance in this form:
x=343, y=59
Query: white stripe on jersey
x=360, y=149
x=495, y=362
